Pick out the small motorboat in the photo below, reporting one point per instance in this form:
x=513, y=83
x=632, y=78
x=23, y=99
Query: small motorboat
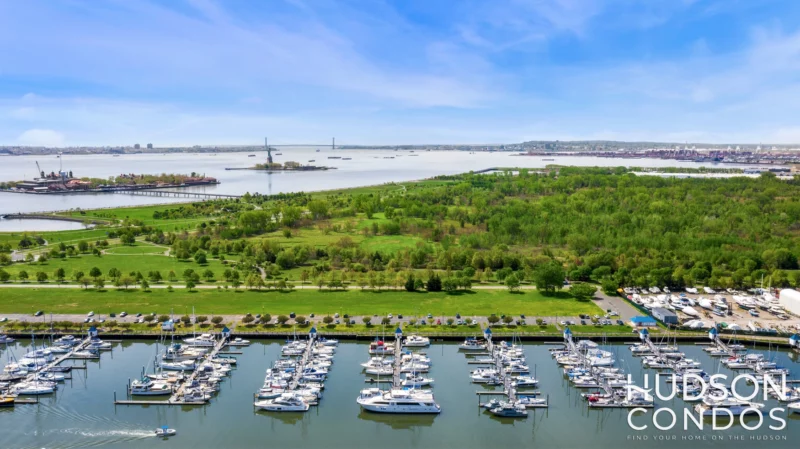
x=794, y=407
x=509, y=410
x=6, y=401
x=165, y=431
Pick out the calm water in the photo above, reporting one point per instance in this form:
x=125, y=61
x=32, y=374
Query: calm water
x=367, y=167
x=82, y=413
x=17, y=225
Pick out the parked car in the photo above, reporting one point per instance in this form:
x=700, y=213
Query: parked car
x=138, y=315
x=337, y=321
x=38, y=313
x=422, y=322
x=583, y=322
x=399, y=317
x=336, y=315
x=430, y=316
x=292, y=315
x=620, y=322
x=311, y=315
x=474, y=322
x=123, y=314
x=90, y=314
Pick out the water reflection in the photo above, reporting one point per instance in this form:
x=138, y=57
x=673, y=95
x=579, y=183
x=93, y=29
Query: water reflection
x=398, y=422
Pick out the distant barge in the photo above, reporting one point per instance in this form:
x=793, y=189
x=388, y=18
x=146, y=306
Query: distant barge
x=301, y=168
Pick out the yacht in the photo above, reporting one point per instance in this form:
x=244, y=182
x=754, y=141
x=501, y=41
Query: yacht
x=380, y=348
x=485, y=376
x=737, y=407
x=794, y=407
x=204, y=340
x=509, y=410
x=146, y=387
x=86, y=354
x=524, y=381
x=471, y=344
x=415, y=341
x=416, y=381
x=5, y=339
x=239, y=342
x=328, y=341
x=397, y=401
x=164, y=432
x=50, y=377
x=286, y=402
x=186, y=365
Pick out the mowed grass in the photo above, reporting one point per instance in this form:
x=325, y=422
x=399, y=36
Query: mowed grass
x=390, y=243
x=122, y=262
x=305, y=301
x=137, y=249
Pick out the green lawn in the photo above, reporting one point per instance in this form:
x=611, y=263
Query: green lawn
x=478, y=303
x=125, y=263
x=137, y=249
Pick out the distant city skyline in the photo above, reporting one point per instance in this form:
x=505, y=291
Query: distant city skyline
x=213, y=72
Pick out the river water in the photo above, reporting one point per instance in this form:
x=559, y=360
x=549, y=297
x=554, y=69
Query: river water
x=367, y=167
x=82, y=413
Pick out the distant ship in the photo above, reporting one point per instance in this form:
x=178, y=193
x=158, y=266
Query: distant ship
x=347, y=158
x=311, y=160
x=251, y=155
x=278, y=154
x=334, y=157
x=317, y=150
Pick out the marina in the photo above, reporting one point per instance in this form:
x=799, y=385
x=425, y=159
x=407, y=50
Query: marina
x=93, y=417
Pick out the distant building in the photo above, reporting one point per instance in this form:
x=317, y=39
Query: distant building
x=643, y=321
x=665, y=315
x=149, y=146
x=136, y=146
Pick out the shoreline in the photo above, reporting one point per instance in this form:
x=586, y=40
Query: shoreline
x=544, y=337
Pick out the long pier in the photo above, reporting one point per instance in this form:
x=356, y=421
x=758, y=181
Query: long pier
x=397, y=364
x=174, y=194
x=60, y=359
x=303, y=362
x=178, y=395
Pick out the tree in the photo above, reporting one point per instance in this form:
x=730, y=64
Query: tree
x=217, y=320
x=282, y=319
x=303, y=276
x=85, y=282
x=60, y=274
x=126, y=281
x=78, y=275
x=172, y=276
x=410, y=285
x=95, y=272
x=450, y=321
x=22, y=275
x=163, y=318
x=609, y=287
x=29, y=258
x=248, y=319
x=41, y=276
x=512, y=282
x=386, y=321
x=190, y=285
x=366, y=320
x=265, y=318
x=99, y=283
x=549, y=277
x=4, y=276
x=186, y=320
x=583, y=291
x=493, y=319
x=434, y=283
x=83, y=246
x=208, y=274
x=114, y=273
x=145, y=285
x=201, y=319
x=200, y=257
x=508, y=319
x=328, y=319
x=300, y=319
x=148, y=318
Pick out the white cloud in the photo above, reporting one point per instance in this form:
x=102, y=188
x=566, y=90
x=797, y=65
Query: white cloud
x=41, y=137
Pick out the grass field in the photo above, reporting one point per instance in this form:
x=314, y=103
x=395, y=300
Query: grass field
x=478, y=303
x=137, y=249
x=125, y=263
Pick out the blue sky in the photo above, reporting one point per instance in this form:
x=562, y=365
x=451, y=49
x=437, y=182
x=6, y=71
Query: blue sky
x=184, y=72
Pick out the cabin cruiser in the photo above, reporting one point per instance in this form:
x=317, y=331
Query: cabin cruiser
x=380, y=348
x=286, y=402
x=415, y=367
x=397, y=401
x=164, y=432
x=471, y=344
x=179, y=353
x=86, y=354
x=50, y=377
x=146, y=387
x=531, y=401
x=99, y=345
x=736, y=407
x=524, y=381
x=238, y=341
x=186, y=365
x=380, y=371
x=204, y=340
x=60, y=349
x=416, y=381
x=485, y=376
x=328, y=341
x=415, y=341
x=509, y=410
x=5, y=339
